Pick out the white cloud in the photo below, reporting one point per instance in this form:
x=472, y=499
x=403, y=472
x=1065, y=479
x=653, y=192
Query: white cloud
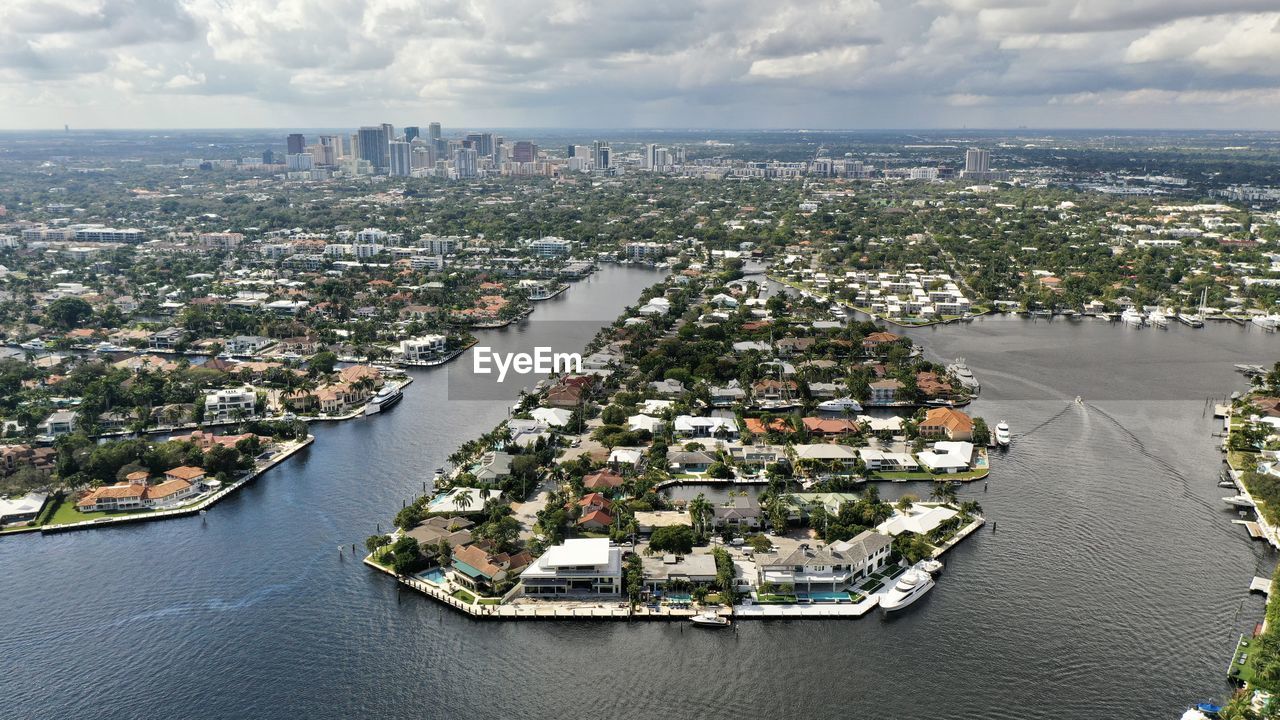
x=660, y=62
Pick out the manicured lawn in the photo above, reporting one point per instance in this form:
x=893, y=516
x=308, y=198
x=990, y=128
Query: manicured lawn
x=775, y=599
x=1244, y=672
x=871, y=586
x=67, y=513
x=490, y=601
x=464, y=596
x=857, y=597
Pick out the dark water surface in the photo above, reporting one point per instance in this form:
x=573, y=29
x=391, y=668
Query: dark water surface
x=1114, y=586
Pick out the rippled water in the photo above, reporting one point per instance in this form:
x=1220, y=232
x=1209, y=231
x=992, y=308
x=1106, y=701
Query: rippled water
x=1113, y=586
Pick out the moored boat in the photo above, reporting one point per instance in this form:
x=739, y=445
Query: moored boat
x=709, y=619
x=1133, y=317
x=383, y=399
x=1002, y=434
x=844, y=404
x=911, y=586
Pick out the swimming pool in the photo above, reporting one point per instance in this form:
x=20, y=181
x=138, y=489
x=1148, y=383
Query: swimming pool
x=826, y=596
x=434, y=575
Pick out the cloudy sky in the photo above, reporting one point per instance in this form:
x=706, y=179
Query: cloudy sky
x=640, y=63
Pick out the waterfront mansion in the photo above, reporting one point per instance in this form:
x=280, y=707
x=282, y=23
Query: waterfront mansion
x=581, y=566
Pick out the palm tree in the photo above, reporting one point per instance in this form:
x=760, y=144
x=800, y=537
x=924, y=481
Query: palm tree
x=943, y=492
x=463, y=500
x=699, y=509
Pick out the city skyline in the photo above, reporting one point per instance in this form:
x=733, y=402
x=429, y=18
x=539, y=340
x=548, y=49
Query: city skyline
x=210, y=64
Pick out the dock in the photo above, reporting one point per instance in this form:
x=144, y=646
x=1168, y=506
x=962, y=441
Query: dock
x=1255, y=532
x=1260, y=585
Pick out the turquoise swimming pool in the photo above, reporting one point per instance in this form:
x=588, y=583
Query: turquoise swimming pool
x=826, y=596
x=434, y=575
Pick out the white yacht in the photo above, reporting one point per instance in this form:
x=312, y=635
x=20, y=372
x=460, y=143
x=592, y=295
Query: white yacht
x=1240, y=501
x=1266, y=322
x=709, y=619
x=385, y=398
x=1002, y=434
x=962, y=372
x=911, y=586
x=844, y=404
x=1133, y=317
x=839, y=313
x=1157, y=318
x=931, y=566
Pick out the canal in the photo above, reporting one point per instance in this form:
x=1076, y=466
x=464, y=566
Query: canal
x=1114, y=586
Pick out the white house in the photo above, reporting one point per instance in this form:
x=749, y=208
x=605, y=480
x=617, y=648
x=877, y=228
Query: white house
x=917, y=519
x=581, y=566
x=422, y=349
x=223, y=404
x=555, y=417
x=645, y=422
x=627, y=456
x=691, y=426
x=947, y=457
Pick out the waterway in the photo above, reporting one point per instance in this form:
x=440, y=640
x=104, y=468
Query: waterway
x=1114, y=585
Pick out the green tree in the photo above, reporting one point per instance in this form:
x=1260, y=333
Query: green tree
x=68, y=312
x=676, y=539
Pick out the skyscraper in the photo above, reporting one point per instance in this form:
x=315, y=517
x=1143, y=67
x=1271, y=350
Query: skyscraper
x=977, y=160
x=464, y=162
x=433, y=131
x=294, y=144
x=600, y=154
x=401, y=159
x=374, y=147
x=411, y=132
x=268, y=157
x=524, y=151
x=569, y=152
x=333, y=149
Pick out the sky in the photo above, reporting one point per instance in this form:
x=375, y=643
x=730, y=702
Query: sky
x=838, y=64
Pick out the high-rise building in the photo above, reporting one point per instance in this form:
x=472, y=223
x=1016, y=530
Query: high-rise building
x=464, y=162
x=389, y=130
x=294, y=144
x=334, y=142
x=569, y=152
x=411, y=132
x=299, y=161
x=651, y=156
x=401, y=159
x=977, y=160
x=524, y=151
x=433, y=130
x=482, y=143
x=322, y=155
x=268, y=157
x=372, y=145
x=600, y=154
